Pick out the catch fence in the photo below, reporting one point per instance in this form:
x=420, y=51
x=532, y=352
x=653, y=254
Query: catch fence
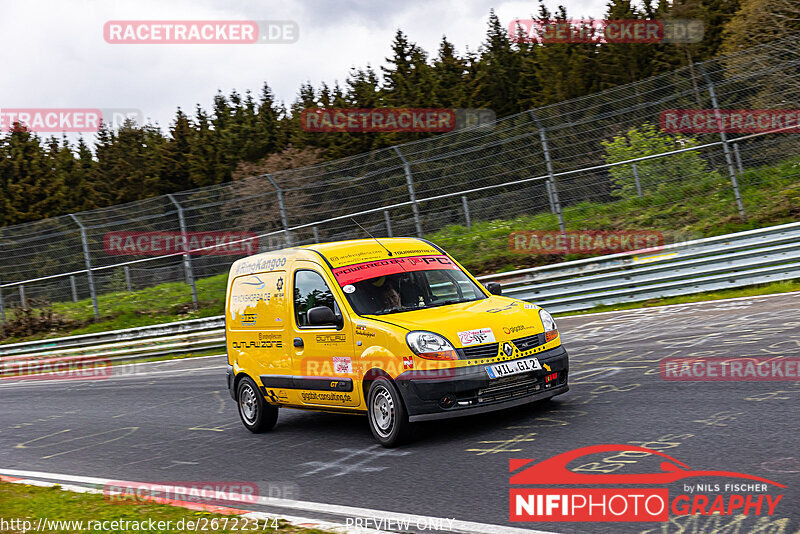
x=559, y=167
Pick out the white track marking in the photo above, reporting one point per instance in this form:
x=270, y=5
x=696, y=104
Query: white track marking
x=466, y=527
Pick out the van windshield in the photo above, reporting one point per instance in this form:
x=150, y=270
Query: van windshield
x=405, y=284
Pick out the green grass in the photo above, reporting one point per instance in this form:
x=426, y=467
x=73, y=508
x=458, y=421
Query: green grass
x=29, y=503
x=700, y=208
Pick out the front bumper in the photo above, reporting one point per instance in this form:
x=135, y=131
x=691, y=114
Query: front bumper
x=469, y=390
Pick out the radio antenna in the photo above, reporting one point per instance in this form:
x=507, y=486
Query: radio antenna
x=373, y=237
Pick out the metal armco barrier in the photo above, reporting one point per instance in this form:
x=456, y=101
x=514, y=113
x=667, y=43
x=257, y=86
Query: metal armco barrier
x=733, y=260
x=143, y=335
x=722, y=262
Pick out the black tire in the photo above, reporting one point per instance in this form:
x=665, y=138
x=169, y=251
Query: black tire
x=388, y=419
x=257, y=414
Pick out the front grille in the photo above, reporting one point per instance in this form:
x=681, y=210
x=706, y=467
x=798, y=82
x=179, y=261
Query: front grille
x=509, y=390
x=528, y=342
x=488, y=350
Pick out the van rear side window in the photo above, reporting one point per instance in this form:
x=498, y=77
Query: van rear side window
x=310, y=291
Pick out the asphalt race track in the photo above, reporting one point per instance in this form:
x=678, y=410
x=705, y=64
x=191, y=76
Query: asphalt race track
x=174, y=421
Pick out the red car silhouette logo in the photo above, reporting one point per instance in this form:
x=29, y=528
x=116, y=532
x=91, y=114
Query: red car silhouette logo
x=554, y=470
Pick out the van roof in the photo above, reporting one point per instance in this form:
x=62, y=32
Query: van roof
x=340, y=253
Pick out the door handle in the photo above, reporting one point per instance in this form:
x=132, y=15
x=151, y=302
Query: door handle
x=298, y=342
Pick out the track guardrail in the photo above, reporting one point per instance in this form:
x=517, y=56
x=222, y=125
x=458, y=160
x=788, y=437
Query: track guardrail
x=733, y=260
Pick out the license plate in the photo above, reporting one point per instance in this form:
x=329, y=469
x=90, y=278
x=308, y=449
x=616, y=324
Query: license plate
x=515, y=367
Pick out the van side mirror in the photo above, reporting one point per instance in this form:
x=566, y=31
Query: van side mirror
x=321, y=315
x=494, y=288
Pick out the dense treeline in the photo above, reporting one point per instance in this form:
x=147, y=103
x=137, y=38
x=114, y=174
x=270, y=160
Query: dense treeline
x=243, y=133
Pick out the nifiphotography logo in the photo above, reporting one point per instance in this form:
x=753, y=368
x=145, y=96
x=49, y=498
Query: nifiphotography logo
x=586, y=503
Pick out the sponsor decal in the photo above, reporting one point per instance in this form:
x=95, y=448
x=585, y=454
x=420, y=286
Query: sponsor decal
x=373, y=269
x=531, y=306
x=277, y=395
x=475, y=337
x=606, y=31
x=342, y=365
x=349, y=288
x=584, y=241
x=361, y=330
x=201, y=32
x=552, y=377
x=249, y=319
x=259, y=265
x=722, y=369
x=518, y=328
x=408, y=362
x=255, y=281
x=375, y=254
x=195, y=243
x=592, y=504
x=331, y=339
x=279, y=283
x=502, y=309
x=730, y=120
x=264, y=341
x=251, y=298
x=310, y=396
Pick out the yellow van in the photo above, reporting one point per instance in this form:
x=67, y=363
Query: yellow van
x=393, y=328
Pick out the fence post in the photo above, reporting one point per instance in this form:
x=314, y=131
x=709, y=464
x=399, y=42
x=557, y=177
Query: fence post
x=638, y=183
x=555, y=203
x=2, y=309
x=74, y=288
x=465, y=203
x=411, y=194
x=282, y=207
x=127, y=277
x=738, y=158
x=23, y=302
x=187, y=259
x=725, y=147
x=316, y=234
x=88, y=260
x=388, y=220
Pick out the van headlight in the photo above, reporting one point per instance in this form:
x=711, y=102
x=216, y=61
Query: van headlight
x=549, y=324
x=430, y=346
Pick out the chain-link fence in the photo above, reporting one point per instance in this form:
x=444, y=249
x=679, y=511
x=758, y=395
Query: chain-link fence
x=547, y=168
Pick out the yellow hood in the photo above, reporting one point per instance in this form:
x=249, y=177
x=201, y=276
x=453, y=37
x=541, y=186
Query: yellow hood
x=506, y=317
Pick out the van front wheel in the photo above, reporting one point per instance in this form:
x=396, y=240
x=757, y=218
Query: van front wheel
x=257, y=414
x=387, y=416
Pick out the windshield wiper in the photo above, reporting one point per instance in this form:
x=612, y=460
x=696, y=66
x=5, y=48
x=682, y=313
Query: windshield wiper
x=448, y=302
x=398, y=310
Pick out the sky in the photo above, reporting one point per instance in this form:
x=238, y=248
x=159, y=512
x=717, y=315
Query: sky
x=54, y=54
